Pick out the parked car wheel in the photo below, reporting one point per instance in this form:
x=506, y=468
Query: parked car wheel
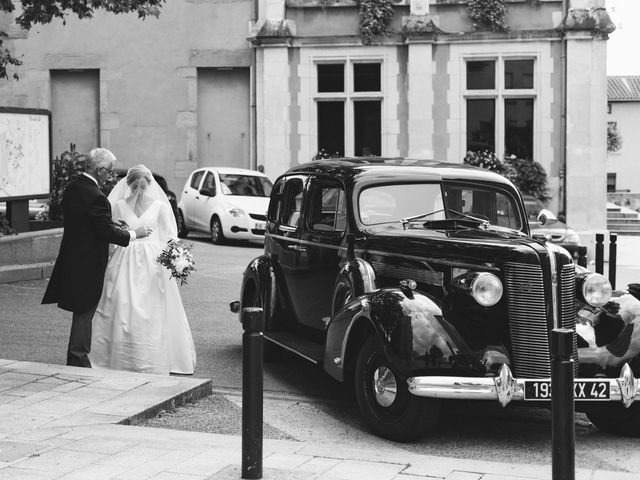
x=617, y=419
x=217, y=235
x=182, y=228
x=384, y=400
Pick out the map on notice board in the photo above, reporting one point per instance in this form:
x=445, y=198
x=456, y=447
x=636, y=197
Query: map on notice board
x=24, y=153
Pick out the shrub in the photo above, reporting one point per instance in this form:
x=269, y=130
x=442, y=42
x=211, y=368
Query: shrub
x=527, y=175
x=375, y=16
x=323, y=154
x=488, y=13
x=5, y=227
x=65, y=167
x=614, y=140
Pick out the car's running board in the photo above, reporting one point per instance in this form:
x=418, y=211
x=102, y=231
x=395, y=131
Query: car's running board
x=310, y=351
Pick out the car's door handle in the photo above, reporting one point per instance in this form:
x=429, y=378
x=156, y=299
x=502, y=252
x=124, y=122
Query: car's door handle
x=297, y=248
x=197, y=198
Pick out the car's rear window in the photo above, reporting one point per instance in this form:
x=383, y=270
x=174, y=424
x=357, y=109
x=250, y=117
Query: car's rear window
x=245, y=185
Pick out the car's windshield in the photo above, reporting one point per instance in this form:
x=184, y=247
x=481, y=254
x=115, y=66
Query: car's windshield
x=395, y=202
x=245, y=185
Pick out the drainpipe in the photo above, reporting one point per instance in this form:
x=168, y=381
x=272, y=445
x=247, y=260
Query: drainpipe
x=563, y=103
x=253, y=161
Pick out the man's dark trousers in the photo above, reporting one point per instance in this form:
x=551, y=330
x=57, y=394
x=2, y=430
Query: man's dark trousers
x=80, y=339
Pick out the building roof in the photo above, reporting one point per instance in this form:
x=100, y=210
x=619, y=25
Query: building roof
x=623, y=88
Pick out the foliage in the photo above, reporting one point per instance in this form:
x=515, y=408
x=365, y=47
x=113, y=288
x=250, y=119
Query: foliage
x=5, y=227
x=375, y=16
x=614, y=140
x=530, y=178
x=323, y=154
x=42, y=12
x=488, y=13
x=527, y=175
x=65, y=167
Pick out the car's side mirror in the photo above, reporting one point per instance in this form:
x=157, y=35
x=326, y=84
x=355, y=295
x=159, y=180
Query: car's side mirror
x=209, y=192
x=545, y=217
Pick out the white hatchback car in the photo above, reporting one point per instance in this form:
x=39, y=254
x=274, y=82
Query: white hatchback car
x=227, y=203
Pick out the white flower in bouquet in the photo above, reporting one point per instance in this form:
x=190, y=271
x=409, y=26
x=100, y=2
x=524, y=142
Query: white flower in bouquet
x=177, y=258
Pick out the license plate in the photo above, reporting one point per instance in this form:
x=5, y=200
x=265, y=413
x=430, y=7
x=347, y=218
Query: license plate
x=261, y=226
x=582, y=390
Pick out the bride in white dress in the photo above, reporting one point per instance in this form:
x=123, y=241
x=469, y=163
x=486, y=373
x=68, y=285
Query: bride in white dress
x=140, y=323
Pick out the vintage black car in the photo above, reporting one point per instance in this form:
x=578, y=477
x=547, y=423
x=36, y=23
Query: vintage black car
x=415, y=281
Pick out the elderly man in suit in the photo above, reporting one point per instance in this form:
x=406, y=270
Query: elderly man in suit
x=78, y=275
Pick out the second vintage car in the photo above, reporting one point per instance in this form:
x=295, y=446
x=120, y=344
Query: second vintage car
x=414, y=282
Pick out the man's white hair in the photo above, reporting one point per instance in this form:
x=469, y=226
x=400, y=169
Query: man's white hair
x=100, y=157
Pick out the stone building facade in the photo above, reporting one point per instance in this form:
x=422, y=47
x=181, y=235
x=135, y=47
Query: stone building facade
x=273, y=82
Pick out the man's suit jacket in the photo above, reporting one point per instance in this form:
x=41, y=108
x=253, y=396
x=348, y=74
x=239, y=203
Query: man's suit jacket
x=78, y=275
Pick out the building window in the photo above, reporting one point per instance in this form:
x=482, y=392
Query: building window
x=611, y=182
x=500, y=98
x=349, y=108
x=609, y=108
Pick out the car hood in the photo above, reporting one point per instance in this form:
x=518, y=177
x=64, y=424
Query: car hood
x=249, y=204
x=468, y=246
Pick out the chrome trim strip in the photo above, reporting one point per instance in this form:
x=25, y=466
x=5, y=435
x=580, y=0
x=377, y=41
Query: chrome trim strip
x=505, y=387
x=312, y=360
x=554, y=286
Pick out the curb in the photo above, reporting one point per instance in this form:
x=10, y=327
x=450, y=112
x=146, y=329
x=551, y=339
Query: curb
x=196, y=393
x=19, y=273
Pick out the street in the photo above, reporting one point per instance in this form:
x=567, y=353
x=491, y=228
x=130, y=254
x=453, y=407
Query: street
x=301, y=402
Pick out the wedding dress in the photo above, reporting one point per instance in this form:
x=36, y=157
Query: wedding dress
x=140, y=323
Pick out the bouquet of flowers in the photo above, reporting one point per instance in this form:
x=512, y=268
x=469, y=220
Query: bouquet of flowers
x=177, y=258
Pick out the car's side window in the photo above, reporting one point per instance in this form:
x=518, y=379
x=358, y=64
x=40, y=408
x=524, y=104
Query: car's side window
x=291, y=202
x=276, y=202
x=210, y=184
x=328, y=211
x=195, y=179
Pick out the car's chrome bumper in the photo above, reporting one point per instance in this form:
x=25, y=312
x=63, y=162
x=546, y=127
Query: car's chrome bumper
x=506, y=388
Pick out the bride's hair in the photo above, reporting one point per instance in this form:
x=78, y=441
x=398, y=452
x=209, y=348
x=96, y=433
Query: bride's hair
x=137, y=172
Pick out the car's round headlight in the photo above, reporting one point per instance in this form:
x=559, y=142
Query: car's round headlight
x=486, y=289
x=596, y=290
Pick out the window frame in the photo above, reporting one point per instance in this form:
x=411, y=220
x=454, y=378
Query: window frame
x=349, y=96
x=500, y=93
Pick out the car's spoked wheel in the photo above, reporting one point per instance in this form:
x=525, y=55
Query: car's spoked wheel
x=385, y=402
x=217, y=235
x=182, y=228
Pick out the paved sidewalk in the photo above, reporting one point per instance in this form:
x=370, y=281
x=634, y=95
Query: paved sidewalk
x=59, y=422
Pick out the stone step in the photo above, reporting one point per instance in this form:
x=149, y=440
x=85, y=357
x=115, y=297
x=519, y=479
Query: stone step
x=623, y=221
x=621, y=215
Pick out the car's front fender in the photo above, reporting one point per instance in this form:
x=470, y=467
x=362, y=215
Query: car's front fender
x=410, y=326
x=259, y=279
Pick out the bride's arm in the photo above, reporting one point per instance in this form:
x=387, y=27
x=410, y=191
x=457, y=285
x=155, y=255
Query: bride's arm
x=167, y=227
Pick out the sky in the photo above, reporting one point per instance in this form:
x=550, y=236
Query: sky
x=623, y=57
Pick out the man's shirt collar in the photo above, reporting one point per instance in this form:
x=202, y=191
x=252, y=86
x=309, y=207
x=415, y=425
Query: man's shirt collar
x=92, y=179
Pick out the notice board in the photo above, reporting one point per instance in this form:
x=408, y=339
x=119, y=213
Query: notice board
x=25, y=153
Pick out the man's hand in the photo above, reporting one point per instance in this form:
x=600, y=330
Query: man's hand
x=142, y=232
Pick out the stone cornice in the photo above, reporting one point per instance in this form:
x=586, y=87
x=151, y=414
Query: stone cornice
x=272, y=32
x=594, y=20
x=420, y=28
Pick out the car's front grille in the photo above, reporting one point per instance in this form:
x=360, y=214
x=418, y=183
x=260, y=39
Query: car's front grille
x=527, y=320
x=529, y=326
x=257, y=216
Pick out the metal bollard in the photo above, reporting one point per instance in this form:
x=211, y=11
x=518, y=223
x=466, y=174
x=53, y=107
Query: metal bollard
x=252, y=319
x=613, y=253
x=582, y=256
x=563, y=435
x=600, y=253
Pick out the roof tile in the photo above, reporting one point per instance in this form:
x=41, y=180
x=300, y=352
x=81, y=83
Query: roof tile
x=623, y=88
